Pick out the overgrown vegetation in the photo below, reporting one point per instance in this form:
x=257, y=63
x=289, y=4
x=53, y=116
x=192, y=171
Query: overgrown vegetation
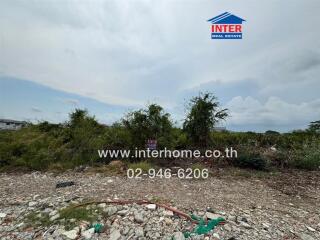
x=203, y=115
x=37, y=219
x=47, y=146
x=71, y=216
x=143, y=165
x=78, y=214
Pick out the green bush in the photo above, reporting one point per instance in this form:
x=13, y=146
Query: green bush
x=251, y=160
x=308, y=157
x=44, y=145
x=143, y=165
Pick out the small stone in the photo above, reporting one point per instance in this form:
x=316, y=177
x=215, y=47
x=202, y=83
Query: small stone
x=123, y=212
x=110, y=210
x=88, y=233
x=32, y=204
x=35, y=197
x=102, y=205
x=222, y=213
x=210, y=215
x=178, y=236
x=227, y=228
x=139, y=232
x=20, y=225
x=54, y=212
x=311, y=229
x=138, y=217
x=54, y=217
x=168, y=213
x=3, y=215
x=125, y=231
x=115, y=235
x=110, y=181
x=168, y=221
x=305, y=236
x=216, y=235
x=152, y=206
x=245, y=225
x=83, y=224
x=72, y=234
x=47, y=210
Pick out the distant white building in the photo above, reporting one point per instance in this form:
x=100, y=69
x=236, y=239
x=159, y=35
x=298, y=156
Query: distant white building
x=7, y=124
x=219, y=129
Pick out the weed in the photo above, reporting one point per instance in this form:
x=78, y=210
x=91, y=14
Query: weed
x=143, y=165
x=37, y=219
x=78, y=213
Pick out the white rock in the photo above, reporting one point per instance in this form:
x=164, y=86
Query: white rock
x=304, y=236
x=138, y=217
x=110, y=210
x=222, y=213
x=139, y=232
x=32, y=204
x=123, y=212
x=168, y=213
x=152, y=206
x=216, y=235
x=54, y=212
x=311, y=229
x=83, y=225
x=110, y=181
x=88, y=233
x=168, y=221
x=35, y=197
x=245, y=225
x=115, y=235
x=20, y=225
x=178, y=236
x=72, y=234
x=227, y=228
x=210, y=215
x=47, y=210
x=3, y=215
x=102, y=205
x=54, y=217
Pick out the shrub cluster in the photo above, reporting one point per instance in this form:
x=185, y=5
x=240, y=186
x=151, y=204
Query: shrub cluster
x=76, y=142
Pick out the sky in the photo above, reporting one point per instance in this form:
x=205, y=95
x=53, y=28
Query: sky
x=114, y=56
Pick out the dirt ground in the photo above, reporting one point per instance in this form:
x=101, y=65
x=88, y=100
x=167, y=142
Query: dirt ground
x=281, y=205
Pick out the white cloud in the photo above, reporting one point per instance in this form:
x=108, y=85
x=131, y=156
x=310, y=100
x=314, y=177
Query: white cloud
x=73, y=102
x=128, y=53
x=36, y=110
x=274, y=112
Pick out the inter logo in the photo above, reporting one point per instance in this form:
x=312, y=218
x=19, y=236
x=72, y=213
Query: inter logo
x=226, y=26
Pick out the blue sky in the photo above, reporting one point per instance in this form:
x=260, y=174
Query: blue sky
x=34, y=102
x=114, y=56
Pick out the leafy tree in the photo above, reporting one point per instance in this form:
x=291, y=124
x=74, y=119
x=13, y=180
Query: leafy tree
x=83, y=136
x=203, y=114
x=315, y=126
x=271, y=132
x=150, y=123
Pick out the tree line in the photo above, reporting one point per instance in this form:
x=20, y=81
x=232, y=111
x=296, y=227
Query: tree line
x=75, y=142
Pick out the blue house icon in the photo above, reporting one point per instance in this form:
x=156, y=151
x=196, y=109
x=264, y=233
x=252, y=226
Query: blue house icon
x=226, y=26
x=226, y=18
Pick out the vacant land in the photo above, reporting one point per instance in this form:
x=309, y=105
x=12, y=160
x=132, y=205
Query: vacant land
x=255, y=205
